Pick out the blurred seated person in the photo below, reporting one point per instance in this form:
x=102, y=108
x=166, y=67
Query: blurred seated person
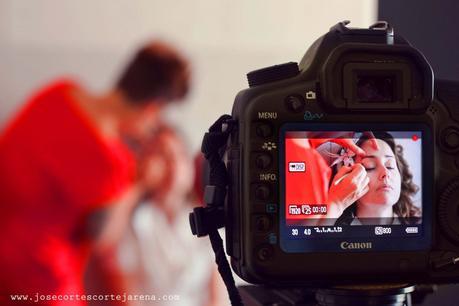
x=61, y=158
x=155, y=250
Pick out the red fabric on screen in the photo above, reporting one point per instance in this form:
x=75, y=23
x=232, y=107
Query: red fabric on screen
x=55, y=169
x=310, y=186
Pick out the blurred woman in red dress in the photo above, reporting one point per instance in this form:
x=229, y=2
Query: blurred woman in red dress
x=61, y=159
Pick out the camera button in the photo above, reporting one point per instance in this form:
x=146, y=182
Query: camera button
x=265, y=252
x=262, y=192
x=295, y=103
x=262, y=223
x=264, y=130
x=263, y=161
x=450, y=138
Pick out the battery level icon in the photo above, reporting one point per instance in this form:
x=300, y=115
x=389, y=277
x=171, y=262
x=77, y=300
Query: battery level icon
x=412, y=230
x=296, y=167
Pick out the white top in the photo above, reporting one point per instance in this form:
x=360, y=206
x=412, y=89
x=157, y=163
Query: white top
x=174, y=261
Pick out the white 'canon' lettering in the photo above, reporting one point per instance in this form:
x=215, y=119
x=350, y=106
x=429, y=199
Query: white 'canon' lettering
x=355, y=245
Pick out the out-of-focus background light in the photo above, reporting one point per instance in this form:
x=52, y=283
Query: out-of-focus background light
x=90, y=40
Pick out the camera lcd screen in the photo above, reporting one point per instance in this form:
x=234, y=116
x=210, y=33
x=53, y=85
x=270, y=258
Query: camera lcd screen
x=360, y=184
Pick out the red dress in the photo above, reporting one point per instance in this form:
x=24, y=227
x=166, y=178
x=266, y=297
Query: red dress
x=308, y=187
x=55, y=169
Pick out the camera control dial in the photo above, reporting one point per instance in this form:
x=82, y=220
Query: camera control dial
x=272, y=74
x=448, y=211
x=449, y=139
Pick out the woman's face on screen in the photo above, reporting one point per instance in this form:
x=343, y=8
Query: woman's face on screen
x=385, y=179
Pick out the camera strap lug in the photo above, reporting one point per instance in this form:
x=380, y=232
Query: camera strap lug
x=211, y=217
x=205, y=221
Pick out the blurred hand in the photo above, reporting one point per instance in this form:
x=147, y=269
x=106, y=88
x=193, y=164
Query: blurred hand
x=165, y=169
x=349, y=185
x=152, y=172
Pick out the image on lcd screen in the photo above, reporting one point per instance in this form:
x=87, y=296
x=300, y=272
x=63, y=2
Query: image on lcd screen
x=347, y=178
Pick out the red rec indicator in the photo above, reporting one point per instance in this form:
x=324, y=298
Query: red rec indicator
x=415, y=137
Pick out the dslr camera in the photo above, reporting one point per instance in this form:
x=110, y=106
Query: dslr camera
x=344, y=168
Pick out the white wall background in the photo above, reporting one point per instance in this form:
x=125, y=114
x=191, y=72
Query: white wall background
x=91, y=39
